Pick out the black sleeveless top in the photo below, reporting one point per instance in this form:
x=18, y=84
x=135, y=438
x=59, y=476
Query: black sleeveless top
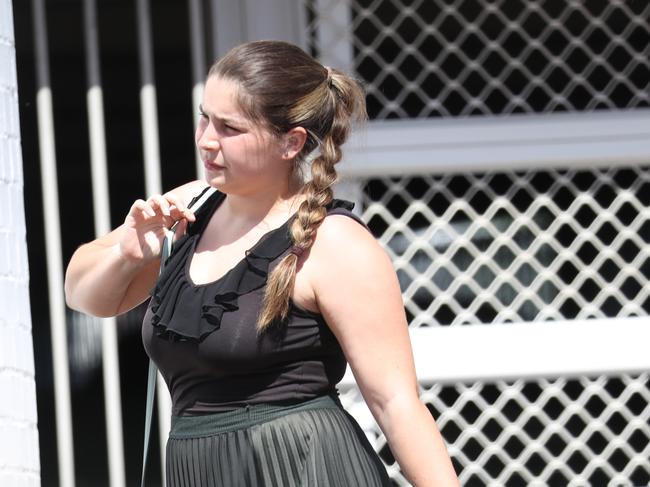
x=204, y=339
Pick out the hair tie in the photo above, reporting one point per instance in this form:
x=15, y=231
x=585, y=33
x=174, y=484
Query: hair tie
x=296, y=250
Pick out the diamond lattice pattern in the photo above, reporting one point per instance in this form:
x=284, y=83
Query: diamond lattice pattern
x=530, y=246
x=430, y=58
x=512, y=247
x=581, y=432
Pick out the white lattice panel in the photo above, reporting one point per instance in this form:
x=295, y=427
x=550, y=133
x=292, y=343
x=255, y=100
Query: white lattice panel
x=428, y=58
x=588, y=431
x=515, y=247
x=511, y=247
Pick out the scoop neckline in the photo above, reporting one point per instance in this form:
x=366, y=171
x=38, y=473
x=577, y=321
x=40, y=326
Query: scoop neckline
x=241, y=261
x=260, y=240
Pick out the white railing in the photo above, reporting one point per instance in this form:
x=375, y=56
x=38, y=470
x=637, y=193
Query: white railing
x=513, y=143
x=515, y=351
x=53, y=249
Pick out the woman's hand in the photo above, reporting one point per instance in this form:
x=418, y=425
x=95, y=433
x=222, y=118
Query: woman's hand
x=116, y=272
x=148, y=222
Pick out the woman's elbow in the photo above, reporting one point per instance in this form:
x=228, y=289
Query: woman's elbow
x=69, y=291
x=78, y=300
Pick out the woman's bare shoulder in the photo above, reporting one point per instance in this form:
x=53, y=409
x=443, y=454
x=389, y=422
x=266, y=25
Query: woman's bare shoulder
x=187, y=191
x=344, y=230
x=344, y=245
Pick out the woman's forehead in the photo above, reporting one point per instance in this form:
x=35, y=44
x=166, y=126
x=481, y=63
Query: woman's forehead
x=220, y=99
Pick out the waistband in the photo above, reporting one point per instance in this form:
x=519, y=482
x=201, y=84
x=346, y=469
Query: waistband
x=213, y=424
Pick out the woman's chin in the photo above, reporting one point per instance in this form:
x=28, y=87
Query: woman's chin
x=214, y=181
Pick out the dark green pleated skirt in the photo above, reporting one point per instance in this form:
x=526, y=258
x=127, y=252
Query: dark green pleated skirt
x=315, y=443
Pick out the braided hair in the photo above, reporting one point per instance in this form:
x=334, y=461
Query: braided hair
x=282, y=87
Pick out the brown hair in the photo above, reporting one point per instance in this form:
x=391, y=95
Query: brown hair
x=283, y=87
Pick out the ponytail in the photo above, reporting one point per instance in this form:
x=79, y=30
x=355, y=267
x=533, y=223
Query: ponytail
x=346, y=104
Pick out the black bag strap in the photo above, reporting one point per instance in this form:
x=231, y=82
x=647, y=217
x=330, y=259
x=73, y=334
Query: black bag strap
x=153, y=370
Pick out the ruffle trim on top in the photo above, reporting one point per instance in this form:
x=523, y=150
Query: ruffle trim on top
x=182, y=310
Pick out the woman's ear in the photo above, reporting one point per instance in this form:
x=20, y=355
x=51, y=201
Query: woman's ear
x=292, y=142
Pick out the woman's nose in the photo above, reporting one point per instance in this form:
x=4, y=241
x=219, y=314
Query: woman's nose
x=208, y=139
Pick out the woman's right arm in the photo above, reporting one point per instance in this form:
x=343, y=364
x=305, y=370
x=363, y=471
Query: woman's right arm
x=116, y=272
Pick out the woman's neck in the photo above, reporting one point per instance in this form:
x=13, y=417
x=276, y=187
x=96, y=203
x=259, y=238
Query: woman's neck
x=274, y=203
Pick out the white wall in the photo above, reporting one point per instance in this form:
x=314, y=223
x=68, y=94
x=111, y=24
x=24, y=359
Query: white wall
x=19, y=455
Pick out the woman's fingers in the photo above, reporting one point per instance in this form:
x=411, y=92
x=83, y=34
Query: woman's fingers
x=144, y=207
x=148, y=222
x=168, y=206
x=178, y=210
x=160, y=202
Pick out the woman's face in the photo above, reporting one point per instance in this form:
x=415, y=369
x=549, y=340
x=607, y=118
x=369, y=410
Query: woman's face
x=239, y=156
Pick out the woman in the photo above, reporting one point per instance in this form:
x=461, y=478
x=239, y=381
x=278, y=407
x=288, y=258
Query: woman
x=271, y=288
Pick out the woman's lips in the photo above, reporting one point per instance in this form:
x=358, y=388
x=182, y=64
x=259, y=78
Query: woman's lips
x=212, y=166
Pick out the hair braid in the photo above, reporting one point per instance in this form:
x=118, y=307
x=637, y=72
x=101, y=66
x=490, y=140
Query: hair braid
x=312, y=211
x=318, y=194
x=282, y=87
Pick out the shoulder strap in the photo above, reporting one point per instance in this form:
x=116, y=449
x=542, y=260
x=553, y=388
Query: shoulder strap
x=195, y=203
x=344, y=207
x=151, y=390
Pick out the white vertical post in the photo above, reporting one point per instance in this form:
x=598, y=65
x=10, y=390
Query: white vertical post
x=335, y=33
x=228, y=24
x=97, y=137
x=335, y=50
x=248, y=20
x=153, y=185
x=148, y=107
x=197, y=47
x=214, y=16
x=65, y=449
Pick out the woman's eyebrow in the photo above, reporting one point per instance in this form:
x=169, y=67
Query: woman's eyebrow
x=225, y=119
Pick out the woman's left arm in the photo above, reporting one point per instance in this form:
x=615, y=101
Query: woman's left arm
x=357, y=291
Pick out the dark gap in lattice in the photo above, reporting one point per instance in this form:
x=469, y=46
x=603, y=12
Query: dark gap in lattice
x=589, y=290
x=553, y=408
x=484, y=276
x=516, y=480
x=640, y=476
x=422, y=298
x=451, y=431
x=443, y=279
x=546, y=255
x=638, y=440
x=599, y=477
x=377, y=225
x=558, y=478
x=573, y=389
x=595, y=406
x=617, y=424
x=444, y=315
x=611, y=306
x=577, y=462
x=494, y=465
x=492, y=429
